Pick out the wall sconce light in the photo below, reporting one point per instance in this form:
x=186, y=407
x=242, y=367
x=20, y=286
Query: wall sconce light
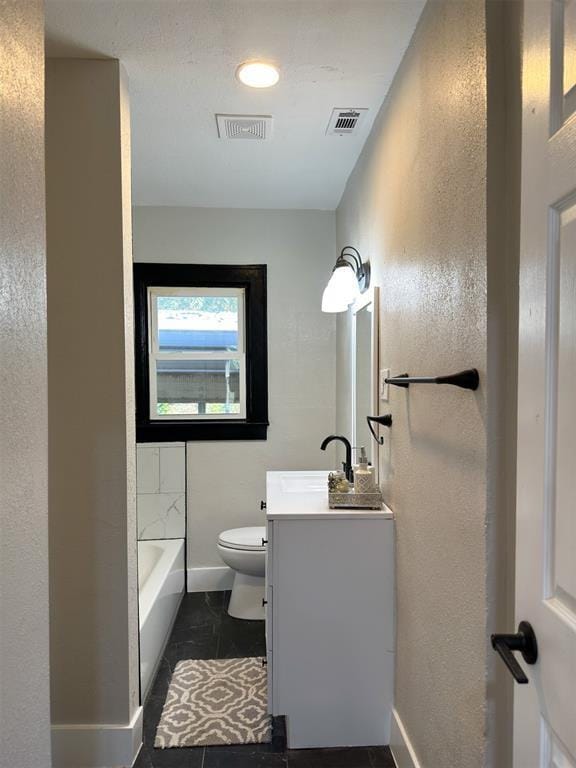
x=350, y=277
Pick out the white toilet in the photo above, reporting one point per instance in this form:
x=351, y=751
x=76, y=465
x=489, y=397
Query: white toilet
x=244, y=550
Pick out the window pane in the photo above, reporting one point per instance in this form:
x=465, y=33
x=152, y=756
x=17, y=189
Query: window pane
x=198, y=387
x=198, y=323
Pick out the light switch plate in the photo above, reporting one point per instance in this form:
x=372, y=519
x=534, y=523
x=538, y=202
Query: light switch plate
x=384, y=387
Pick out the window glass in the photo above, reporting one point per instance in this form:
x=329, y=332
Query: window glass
x=197, y=387
x=197, y=358
x=198, y=323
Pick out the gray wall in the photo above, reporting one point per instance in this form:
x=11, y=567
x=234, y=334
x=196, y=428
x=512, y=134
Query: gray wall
x=24, y=683
x=226, y=480
x=93, y=593
x=416, y=206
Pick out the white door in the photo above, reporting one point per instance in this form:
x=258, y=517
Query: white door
x=545, y=710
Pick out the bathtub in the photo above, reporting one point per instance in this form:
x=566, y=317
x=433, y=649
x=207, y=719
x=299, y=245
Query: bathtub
x=160, y=590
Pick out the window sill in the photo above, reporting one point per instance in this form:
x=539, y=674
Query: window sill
x=178, y=431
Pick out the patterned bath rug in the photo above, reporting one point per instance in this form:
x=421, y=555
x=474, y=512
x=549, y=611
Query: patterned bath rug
x=215, y=702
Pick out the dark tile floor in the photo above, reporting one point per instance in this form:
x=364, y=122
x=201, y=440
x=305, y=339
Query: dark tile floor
x=204, y=630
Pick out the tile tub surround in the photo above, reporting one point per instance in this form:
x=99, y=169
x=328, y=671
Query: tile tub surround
x=161, y=487
x=204, y=630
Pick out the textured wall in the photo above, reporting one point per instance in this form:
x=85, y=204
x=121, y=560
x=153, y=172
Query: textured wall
x=93, y=592
x=416, y=206
x=24, y=684
x=226, y=480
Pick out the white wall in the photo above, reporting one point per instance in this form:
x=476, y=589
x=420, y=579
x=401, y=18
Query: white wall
x=24, y=679
x=93, y=581
x=226, y=480
x=417, y=205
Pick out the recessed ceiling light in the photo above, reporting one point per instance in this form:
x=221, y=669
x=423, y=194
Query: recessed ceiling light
x=257, y=74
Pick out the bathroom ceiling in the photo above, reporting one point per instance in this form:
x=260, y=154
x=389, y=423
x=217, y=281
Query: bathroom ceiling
x=181, y=57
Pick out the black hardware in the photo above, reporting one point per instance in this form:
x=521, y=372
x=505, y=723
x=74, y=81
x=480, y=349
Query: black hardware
x=264, y=602
x=346, y=465
x=467, y=379
x=385, y=420
x=262, y=505
x=361, y=268
x=264, y=542
x=264, y=662
x=525, y=642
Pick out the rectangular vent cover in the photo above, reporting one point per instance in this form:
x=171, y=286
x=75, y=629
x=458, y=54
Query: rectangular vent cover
x=250, y=127
x=345, y=121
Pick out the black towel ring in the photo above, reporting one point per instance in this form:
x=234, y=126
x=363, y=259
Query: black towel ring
x=385, y=421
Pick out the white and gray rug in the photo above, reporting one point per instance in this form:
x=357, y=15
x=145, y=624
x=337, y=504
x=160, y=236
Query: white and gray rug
x=215, y=701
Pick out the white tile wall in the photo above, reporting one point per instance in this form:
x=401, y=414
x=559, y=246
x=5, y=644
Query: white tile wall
x=147, y=469
x=173, y=469
x=161, y=486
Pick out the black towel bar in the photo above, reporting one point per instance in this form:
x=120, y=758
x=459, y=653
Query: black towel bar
x=467, y=379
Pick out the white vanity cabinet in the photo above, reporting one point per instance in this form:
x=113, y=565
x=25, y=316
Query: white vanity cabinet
x=330, y=615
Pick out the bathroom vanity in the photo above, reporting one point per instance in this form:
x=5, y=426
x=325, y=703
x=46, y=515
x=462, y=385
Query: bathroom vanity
x=329, y=615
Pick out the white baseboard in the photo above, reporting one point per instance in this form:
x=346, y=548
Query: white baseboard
x=210, y=579
x=97, y=746
x=401, y=746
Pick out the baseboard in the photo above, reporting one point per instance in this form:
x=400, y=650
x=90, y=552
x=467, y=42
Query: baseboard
x=97, y=746
x=210, y=579
x=401, y=746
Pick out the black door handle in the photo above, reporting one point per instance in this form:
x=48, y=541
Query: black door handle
x=524, y=641
x=262, y=505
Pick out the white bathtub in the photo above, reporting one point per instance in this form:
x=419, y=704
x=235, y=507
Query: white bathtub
x=160, y=590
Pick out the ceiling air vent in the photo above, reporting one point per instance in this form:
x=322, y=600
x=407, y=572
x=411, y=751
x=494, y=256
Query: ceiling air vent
x=249, y=127
x=344, y=122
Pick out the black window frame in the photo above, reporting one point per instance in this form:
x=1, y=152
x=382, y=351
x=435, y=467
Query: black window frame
x=253, y=279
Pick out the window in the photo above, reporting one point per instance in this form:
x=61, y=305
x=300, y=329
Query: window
x=201, y=358
x=196, y=360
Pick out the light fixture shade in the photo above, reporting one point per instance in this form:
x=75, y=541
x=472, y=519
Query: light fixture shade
x=257, y=74
x=342, y=289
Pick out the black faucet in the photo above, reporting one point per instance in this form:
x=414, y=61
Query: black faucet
x=346, y=465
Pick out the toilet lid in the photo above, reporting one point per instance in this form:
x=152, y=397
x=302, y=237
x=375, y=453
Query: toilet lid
x=243, y=538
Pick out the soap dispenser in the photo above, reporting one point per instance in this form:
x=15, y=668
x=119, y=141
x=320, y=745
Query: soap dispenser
x=363, y=478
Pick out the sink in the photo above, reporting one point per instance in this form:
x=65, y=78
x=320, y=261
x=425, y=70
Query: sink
x=304, y=482
x=303, y=494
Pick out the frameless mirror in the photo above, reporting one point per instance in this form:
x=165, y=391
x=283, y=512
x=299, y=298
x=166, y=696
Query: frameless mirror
x=364, y=357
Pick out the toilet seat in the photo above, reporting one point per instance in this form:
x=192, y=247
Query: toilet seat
x=244, y=539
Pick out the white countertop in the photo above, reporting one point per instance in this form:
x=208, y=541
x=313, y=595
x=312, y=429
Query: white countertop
x=304, y=495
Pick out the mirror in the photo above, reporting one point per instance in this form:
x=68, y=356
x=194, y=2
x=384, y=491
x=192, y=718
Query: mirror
x=364, y=358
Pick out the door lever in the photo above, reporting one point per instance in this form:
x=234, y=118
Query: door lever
x=524, y=641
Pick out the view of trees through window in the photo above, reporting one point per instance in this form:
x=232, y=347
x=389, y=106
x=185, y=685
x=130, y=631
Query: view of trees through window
x=199, y=303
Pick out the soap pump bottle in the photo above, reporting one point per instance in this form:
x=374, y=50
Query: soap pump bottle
x=363, y=479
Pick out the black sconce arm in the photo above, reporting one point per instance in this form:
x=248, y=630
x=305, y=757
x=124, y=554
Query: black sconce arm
x=350, y=256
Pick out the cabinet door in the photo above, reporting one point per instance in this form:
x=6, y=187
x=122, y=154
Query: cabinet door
x=269, y=582
x=333, y=615
x=269, y=597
